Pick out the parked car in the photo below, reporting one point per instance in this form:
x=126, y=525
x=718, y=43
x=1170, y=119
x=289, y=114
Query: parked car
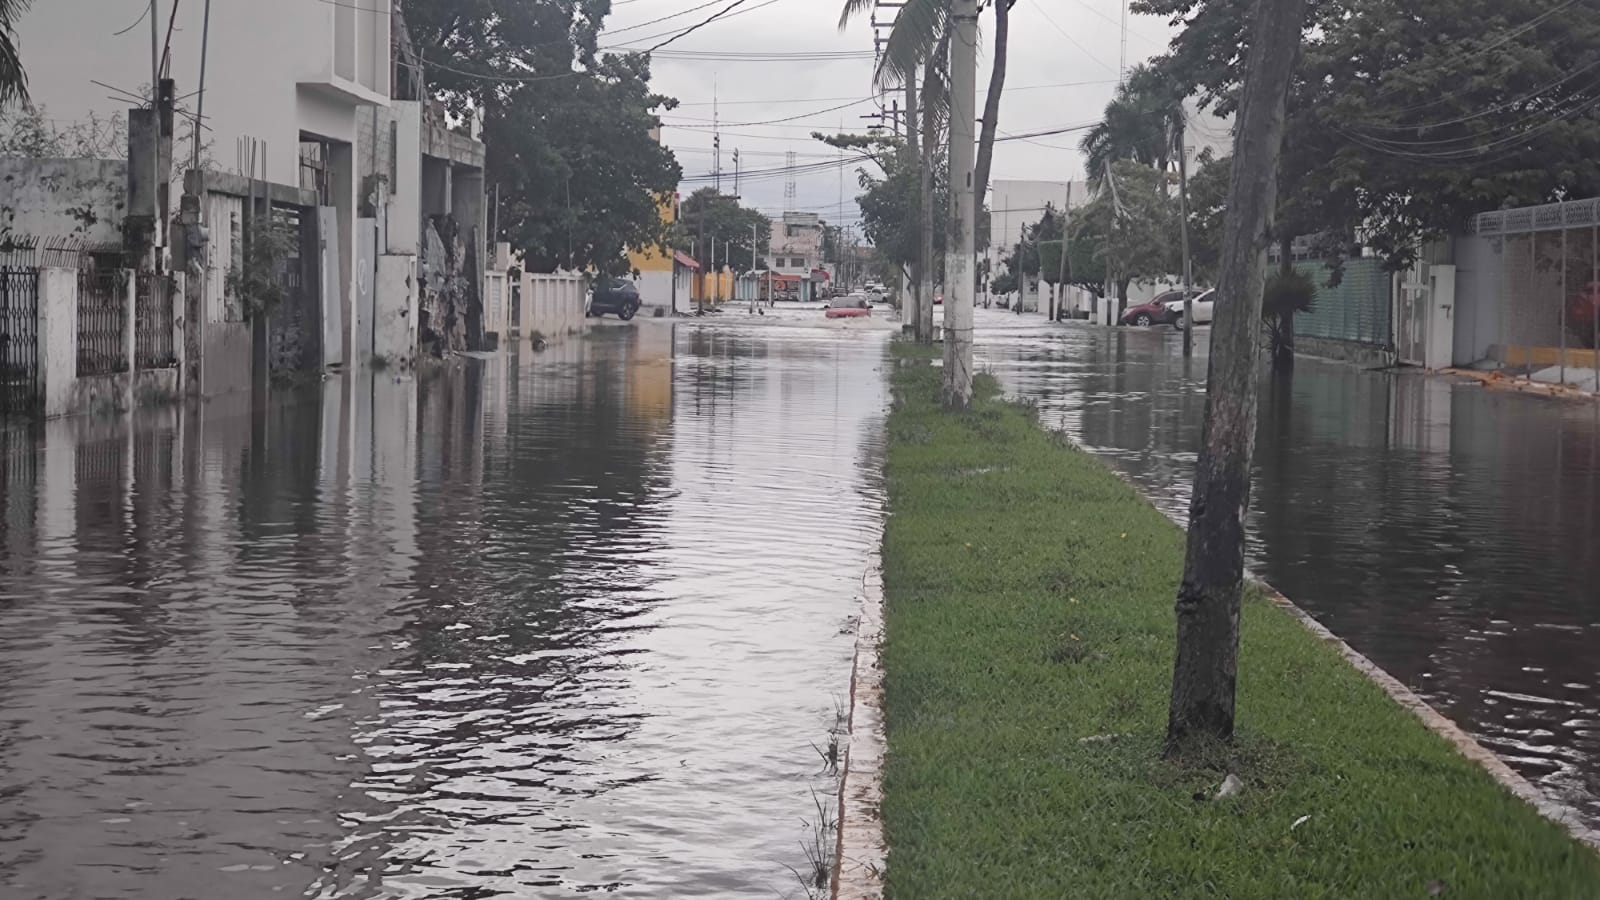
x=850, y=306
x=1155, y=312
x=1202, y=307
x=615, y=295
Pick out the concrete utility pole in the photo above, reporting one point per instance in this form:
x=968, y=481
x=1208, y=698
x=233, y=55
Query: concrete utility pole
x=959, y=258
x=1205, y=673
x=753, y=290
x=1061, y=264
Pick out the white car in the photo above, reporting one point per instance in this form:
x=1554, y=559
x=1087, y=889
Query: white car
x=1202, y=307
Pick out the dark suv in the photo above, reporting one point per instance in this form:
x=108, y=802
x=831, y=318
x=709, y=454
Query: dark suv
x=614, y=295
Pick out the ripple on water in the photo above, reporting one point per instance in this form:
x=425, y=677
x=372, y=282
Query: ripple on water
x=526, y=629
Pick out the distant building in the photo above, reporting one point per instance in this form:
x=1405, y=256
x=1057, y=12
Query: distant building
x=797, y=244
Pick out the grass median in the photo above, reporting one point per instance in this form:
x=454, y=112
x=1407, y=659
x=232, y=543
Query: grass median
x=1028, y=661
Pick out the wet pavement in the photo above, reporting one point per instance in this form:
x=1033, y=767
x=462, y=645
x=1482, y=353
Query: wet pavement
x=565, y=623
x=1448, y=532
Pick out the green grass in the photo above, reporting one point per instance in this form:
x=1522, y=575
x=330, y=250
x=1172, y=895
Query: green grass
x=1029, y=599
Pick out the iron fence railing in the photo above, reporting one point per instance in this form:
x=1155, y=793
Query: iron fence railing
x=19, y=339
x=102, y=311
x=154, y=345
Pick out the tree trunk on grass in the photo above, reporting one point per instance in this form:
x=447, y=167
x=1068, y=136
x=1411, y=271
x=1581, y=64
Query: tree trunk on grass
x=1205, y=672
x=912, y=311
x=925, y=225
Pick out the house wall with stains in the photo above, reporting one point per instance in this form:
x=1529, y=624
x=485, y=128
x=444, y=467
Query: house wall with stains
x=80, y=198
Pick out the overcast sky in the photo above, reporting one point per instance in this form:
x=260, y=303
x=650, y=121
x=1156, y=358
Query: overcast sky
x=1062, y=69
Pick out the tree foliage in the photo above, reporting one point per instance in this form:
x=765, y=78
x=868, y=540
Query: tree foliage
x=706, y=216
x=1131, y=226
x=1401, y=126
x=1141, y=123
x=568, y=127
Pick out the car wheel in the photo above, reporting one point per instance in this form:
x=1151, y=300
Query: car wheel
x=627, y=312
x=1143, y=319
x=1180, y=323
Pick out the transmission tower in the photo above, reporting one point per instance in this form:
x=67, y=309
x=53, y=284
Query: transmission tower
x=788, y=185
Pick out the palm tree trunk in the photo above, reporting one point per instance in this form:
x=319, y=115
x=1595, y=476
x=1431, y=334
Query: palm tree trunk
x=930, y=139
x=1205, y=672
x=912, y=312
x=991, y=103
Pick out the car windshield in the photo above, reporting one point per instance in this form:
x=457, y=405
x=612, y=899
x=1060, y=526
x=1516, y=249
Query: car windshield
x=848, y=301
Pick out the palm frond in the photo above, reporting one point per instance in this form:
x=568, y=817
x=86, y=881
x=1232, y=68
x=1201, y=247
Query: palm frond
x=13, y=81
x=852, y=9
x=917, y=31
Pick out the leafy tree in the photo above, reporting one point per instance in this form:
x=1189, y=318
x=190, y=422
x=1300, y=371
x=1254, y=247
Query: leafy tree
x=724, y=221
x=568, y=128
x=13, y=81
x=1401, y=126
x=1132, y=225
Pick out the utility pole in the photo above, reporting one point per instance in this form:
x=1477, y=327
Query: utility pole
x=1061, y=267
x=1205, y=671
x=1183, y=230
x=925, y=226
x=959, y=257
x=753, y=290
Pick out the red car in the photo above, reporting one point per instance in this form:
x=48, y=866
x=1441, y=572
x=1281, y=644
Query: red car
x=851, y=306
x=1155, y=312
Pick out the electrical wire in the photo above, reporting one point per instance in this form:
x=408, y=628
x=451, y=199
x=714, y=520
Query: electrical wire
x=1430, y=126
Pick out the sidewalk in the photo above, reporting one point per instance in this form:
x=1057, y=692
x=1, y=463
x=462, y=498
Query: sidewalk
x=1027, y=665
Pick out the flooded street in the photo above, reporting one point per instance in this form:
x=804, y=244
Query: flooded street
x=572, y=622
x=1450, y=533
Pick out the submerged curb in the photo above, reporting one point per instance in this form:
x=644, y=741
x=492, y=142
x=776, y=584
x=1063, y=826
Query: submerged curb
x=859, y=859
x=1437, y=722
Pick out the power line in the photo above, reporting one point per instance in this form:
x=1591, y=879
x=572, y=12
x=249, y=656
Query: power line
x=771, y=122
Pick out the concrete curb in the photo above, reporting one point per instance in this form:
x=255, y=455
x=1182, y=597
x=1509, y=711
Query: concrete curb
x=860, y=857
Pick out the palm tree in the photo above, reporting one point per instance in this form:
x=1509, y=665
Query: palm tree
x=921, y=34
x=1143, y=122
x=13, y=81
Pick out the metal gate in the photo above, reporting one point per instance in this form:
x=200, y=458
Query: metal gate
x=19, y=340
x=1413, y=299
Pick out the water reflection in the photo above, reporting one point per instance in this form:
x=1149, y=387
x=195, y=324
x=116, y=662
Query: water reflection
x=1445, y=531
x=539, y=625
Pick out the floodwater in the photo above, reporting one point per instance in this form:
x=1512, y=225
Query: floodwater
x=1450, y=533
x=572, y=622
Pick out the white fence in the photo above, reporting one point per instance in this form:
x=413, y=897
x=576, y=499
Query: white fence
x=551, y=305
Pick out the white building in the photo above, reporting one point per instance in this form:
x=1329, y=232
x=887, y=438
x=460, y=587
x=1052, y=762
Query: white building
x=796, y=243
x=288, y=76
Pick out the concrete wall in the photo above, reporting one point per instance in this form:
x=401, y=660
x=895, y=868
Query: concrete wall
x=395, y=330
x=58, y=338
x=83, y=198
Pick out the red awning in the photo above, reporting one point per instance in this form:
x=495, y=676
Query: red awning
x=684, y=259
